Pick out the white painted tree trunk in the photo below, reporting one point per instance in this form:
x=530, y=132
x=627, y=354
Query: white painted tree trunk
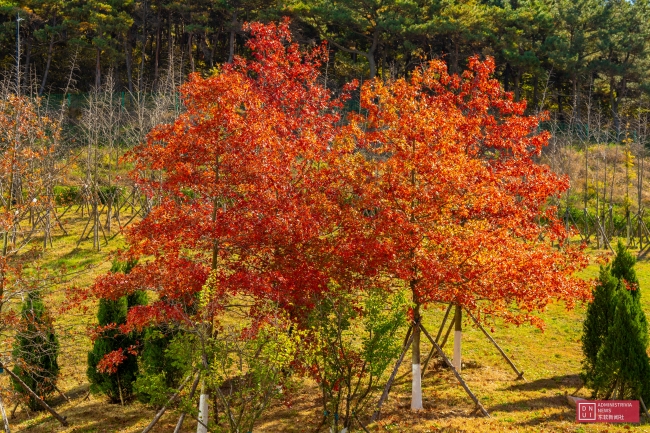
x=416, y=387
x=203, y=411
x=458, y=336
x=416, y=396
x=457, y=342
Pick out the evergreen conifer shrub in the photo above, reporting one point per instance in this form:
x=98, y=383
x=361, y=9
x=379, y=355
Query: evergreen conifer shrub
x=118, y=384
x=160, y=370
x=622, y=369
x=35, y=350
x=623, y=269
x=599, y=317
x=615, y=334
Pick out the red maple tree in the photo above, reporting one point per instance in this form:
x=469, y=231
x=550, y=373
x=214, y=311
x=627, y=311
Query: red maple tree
x=450, y=201
x=433, y=186
x=237, y=211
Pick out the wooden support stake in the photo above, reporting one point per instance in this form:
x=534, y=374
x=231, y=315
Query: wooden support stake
x=62, y=394
x=520, y=374
x=5, y=420
x=444, y=341
x=444, y=320
x=162, y=410
x=59, y=222
x=127, y=223
x=83, y=233
x=433, y=349
x=426, y=361
x=451, y=325
x=365, y=429
x=645, y=409
x=458, y=376
x=384, y=395
x=179, y=424
x=40, y=401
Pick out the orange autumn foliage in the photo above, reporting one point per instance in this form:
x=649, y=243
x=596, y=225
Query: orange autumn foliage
x=460, y=206
x=262, y=192
x=236, y=200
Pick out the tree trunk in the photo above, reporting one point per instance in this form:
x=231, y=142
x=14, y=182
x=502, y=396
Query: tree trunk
x=231, y=41
x=517, y=85
x=190, y=56
x=620, y=94
x=28, y=56
x=203, y=410
x=98, y=71
x=213, y=48
x=454, y=60
x=48, y=62
x=458, y=335
x=576, y=99
x=373, y=65
x=5, y=420
x=535, y=90
x=144, y=47
x=156, y=65
x=129, y=62
x=416, y=389
x=613, y=100
x=371, y=53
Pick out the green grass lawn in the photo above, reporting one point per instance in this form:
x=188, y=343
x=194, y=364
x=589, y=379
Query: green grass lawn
x=550, y=359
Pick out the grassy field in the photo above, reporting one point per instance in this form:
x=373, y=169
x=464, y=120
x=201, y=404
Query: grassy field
x=550, y=359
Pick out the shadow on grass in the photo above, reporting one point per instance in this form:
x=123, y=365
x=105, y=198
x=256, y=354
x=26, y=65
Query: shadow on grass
x=566, y=415
x=555, y=382
x=82, y=416
x=73, y=394
x=537, y=403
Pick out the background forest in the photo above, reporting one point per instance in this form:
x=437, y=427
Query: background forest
x=561, y=55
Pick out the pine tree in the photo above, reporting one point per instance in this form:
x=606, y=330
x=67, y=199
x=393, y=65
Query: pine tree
x=116, y=384
x=600, y=315
x=622, y=369
x=35, y=350
x=623, y=269
x=615, y=334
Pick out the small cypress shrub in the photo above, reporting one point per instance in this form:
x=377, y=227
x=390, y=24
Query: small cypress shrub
x=116, y=384
x=600, y=315
x=622, y=369
x=35, y=350
x=623, y=269
x=160, y=372
x=615, y=334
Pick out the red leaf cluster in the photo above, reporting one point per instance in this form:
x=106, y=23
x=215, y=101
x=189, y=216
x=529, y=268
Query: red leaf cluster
x=111, y=361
